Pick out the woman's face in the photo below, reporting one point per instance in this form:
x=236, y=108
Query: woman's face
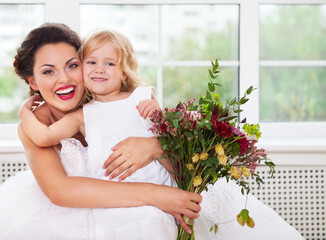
x=58, y=76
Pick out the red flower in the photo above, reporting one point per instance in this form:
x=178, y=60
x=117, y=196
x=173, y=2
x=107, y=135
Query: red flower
x=244, y=144
x=163, y=128
x=221, y=128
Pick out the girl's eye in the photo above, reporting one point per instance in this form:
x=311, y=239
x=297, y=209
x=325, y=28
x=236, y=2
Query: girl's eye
x=110, y=64
x=91, y=62
x=46, y=72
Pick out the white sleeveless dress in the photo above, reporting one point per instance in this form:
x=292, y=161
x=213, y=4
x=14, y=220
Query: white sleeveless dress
x=107, y=124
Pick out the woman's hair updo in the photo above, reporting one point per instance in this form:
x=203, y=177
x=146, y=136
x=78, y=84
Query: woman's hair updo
x=48, y=33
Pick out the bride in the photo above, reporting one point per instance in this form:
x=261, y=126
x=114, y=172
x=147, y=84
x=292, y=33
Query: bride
x=57, y=201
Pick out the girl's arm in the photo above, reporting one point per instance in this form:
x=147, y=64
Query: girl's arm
x=45, y=136
x=82, y=192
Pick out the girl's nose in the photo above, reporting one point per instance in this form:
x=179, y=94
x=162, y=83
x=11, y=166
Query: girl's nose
x=99, y=69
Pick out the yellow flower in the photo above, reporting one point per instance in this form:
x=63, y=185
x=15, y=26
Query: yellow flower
x=195, y=158
x=222, y=159
x=245, y=171
x=240, y=220
x=204, y=156
x=197, y=181
x=250, y=222
x=219, y=150
x=234, y=172
x=190, y=166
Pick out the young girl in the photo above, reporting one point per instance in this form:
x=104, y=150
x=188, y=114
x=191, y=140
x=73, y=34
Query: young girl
x=110, y=73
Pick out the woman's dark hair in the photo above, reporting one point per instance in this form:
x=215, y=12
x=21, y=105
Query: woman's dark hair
x=47, y=33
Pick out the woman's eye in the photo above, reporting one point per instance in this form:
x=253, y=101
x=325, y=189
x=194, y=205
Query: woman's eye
x=46, y=72
x=73, y=65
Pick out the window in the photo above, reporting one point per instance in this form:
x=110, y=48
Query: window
x=16, y=20
x=175, y=43
x=292, y=63
x=274, y=45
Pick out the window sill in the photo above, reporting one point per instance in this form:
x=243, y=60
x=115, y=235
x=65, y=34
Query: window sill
x=11, y=146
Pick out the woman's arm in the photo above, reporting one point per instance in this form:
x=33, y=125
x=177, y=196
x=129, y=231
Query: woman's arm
x=95, y=193
x=45, y=136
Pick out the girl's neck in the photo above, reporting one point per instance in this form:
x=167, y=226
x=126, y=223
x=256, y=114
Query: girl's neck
x=111, y=97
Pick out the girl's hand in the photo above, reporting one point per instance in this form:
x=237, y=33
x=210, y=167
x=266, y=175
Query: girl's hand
x=130, y=155
x=177, y=202
x=30, y=104
x=147, y=107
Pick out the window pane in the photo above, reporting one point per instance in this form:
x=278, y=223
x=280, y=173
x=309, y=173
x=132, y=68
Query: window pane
x=292, y=94
x=150, y=74
x=13, y=91
x=183, y=83
x=15, y=23
x=291, y=32
x=200, y=32
x=138, y=22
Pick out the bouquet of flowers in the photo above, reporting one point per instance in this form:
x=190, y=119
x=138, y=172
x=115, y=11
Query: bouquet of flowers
x=205, y=142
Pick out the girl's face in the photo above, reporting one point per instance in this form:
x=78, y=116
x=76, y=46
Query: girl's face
x=58, y=76
x=101, y=73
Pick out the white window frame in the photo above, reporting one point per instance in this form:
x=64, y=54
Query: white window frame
x=275, y=135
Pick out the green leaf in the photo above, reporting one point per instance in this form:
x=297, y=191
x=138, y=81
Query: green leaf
x=178, y=114
x=170, y=116
x=215, y=228
x=208, y=95
x=211, y=74
x=217, y=84
x=238, y=111
x=188, y=134
x=243, y=100
x=210, y=107
x=249, y=90
x=211, y=87
x=233, y=101
x=175, y=123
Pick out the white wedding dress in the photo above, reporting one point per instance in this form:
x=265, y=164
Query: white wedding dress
x=26, y=213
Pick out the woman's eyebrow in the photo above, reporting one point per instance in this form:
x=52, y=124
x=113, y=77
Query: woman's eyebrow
x=47, y=65
x=70, y=60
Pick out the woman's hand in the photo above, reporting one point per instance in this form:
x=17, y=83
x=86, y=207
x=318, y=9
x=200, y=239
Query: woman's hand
x=130, y=155
x=177, y=202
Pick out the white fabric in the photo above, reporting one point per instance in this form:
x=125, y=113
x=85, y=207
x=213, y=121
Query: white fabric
x=108, y=123
x=27, y=214
x=220, y=205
